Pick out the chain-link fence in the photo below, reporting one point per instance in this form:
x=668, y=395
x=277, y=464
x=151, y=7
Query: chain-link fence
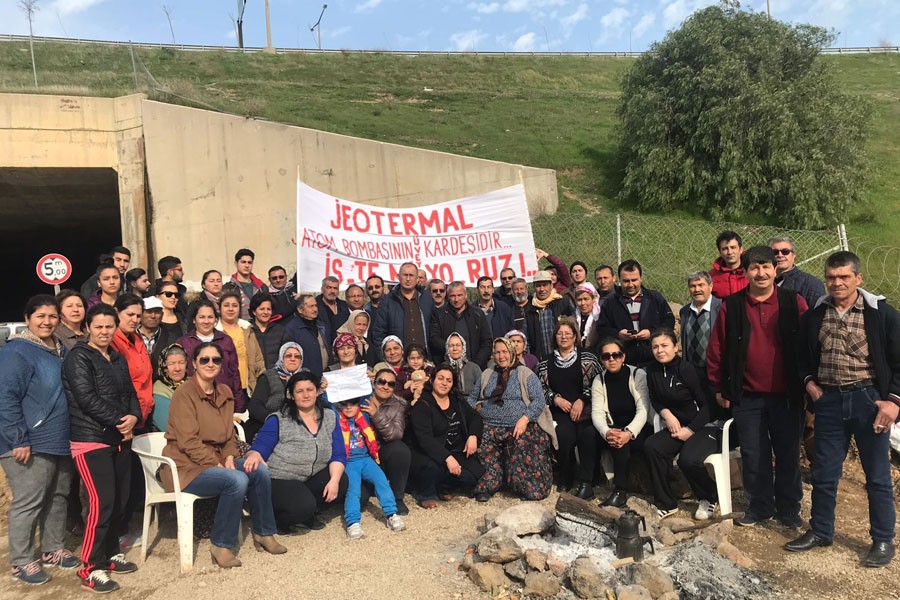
x=668, y=249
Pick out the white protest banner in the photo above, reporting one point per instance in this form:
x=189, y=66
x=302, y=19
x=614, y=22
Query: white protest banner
x=459, y=240
x=345, y=384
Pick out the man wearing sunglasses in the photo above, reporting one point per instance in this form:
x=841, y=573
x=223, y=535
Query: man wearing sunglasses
x=438, y=290
x=375, y=292
x=281, y=289
x=504, y=293
x=789, y=276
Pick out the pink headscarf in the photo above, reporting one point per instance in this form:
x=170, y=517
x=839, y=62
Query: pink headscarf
x=587, y=287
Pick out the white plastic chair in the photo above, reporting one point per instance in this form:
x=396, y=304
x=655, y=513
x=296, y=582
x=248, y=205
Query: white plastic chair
x=721, y=464
x=149, y=448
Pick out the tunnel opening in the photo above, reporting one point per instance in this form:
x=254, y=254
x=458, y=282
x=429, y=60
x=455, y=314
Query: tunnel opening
x=72, y=211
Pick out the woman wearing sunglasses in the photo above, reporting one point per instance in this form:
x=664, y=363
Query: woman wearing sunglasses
x=202, y=442
x=620, y=407
x=171, y=322
x=203, y=317
x=389, y=414
x=268, y=395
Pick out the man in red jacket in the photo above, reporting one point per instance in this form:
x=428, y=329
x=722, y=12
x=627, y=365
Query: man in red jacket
x=727, y=274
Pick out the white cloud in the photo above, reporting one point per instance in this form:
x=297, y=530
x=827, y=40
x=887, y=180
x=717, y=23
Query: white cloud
x=614, y=18
x=466, y=41
x=676, y=12
x=70, y=7
x=518, y=6
x=484, y=8
x=367, y=6
x=576, y=17
x=525, y=42
x=340, y=31
x=643, y=25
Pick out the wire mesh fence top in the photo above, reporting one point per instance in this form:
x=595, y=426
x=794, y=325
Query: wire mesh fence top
x=670, y=249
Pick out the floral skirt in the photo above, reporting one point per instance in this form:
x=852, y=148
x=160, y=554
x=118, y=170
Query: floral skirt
x=523, y=465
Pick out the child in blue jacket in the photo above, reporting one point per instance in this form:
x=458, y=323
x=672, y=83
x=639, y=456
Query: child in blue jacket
x=362, y=465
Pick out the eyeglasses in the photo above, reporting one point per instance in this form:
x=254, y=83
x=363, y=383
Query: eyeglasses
x=372, y=288
x=388, y=382
x=612, y=355
x=204, y=360
x=510, y=278
x=564, y=334
x=783, y=251
x=168, y=294
x=277, y=277
x=438, y=291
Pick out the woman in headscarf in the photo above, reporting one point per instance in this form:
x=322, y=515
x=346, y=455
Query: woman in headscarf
x=268, y=396
x=518, y=429
x=344, y=350
x=587, y=302
x=171, y=373
x=392, y=348
x=465, y=371
x=520, y=342
x=357, y=324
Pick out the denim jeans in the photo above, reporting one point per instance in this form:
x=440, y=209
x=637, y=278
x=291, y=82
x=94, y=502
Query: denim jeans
x=232, y=486
x=366, y=469
x=767, y=426
x=840, y=415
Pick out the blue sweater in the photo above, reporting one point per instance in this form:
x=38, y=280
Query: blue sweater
x=33, y=407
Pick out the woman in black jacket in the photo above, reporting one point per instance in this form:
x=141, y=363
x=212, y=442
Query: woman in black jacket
x=103, y=411
x=447, y=431
x=680, y=399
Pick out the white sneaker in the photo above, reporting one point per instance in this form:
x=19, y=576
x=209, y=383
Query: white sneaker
x=396, y=523
x=664, y=513
x=355, y=532
x=705, y=510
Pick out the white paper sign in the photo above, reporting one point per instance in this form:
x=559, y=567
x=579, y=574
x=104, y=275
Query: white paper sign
x=459, y=240
x=345, y=384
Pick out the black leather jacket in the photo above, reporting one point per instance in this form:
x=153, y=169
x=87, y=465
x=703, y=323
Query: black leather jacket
x=100, y=393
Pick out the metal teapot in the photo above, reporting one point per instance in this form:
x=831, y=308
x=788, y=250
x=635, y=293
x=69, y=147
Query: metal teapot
x=629, y=542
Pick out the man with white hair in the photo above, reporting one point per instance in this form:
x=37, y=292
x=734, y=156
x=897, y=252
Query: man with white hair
x=789, y=276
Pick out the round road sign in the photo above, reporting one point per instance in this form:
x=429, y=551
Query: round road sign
x=54, y=269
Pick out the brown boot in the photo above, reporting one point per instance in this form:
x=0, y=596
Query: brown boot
x=268, y=543
x=224, y=557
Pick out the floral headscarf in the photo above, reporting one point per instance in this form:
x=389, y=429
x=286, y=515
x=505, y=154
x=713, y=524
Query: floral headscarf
x=343, y=340
x=457, y=363
x=283, y=373
x=515, y=332
x=162, y=371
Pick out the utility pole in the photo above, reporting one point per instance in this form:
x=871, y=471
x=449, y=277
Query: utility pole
x=269, y=48
x=769, y=8
x=239, y=22
x=29, y=7
x=318, y=25
x=168, y=12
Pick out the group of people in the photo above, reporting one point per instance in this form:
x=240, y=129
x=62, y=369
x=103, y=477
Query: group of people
x=514, y=390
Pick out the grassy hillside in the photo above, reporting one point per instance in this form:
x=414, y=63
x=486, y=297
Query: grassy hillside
x=556, y=112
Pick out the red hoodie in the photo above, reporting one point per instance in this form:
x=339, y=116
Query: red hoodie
x=726, y=281
x=135, y=353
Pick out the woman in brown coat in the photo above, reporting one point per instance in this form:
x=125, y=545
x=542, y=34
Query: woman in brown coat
x=201, y=441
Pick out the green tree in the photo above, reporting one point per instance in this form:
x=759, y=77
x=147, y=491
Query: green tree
x=735, y=114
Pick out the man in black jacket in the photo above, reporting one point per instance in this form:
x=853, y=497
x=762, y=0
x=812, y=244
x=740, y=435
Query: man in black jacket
x=404, y=312
x=469, y=322
x=281, y=290
x=850, y=363
x=789, y=276
x=630, y=314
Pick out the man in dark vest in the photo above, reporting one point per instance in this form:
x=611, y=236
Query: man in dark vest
x=752, y=365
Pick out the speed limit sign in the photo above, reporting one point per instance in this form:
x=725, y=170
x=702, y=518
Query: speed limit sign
x=54, y=269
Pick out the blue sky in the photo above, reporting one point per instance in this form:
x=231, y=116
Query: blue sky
x=460, y=25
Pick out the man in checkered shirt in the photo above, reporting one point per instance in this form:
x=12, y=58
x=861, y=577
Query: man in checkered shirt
x=850, y=362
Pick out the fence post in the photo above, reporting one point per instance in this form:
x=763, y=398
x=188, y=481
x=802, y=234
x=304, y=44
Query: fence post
x=619, y=238
x=842, y=237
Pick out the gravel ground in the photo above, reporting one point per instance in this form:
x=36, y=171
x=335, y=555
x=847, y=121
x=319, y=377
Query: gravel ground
x=421, y=561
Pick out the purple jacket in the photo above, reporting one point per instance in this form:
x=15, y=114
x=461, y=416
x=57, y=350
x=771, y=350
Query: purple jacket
x=229, y=375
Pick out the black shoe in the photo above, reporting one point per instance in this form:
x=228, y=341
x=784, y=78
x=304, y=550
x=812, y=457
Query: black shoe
x=482, y=497
x=402, y=509
x=805, y=542
x=791, y=521
x=314, y=524
x=584, y=491
x=118, y=564
x=564, y=488
x=617, y=499
x=749, y=520
x=879, y=555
